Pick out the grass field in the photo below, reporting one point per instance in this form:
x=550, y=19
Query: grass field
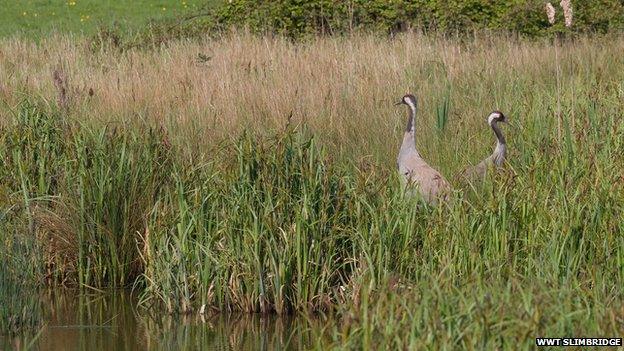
x=37, y=18
x=257, y=174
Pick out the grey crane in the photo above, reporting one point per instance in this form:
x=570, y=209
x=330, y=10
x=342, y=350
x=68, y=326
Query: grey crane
x=497, y=158
x=413, y=170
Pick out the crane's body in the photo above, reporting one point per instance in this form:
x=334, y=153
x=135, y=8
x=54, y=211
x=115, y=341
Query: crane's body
x=416, y=175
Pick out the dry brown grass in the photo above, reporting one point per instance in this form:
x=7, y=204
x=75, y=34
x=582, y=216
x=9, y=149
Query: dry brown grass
x=343, y=88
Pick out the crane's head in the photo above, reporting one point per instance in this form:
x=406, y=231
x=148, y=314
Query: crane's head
x=409, y=100
x=496, y=116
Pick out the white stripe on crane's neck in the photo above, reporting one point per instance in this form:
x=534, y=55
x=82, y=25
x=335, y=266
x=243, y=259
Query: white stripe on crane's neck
x=412, y=116
x=492, y=118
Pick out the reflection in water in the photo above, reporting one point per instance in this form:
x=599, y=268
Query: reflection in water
x=112, y=322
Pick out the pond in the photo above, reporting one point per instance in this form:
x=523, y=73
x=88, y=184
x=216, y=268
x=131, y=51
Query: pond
x=112, y=321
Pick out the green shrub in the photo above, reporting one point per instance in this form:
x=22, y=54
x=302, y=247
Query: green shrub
x=299, y=19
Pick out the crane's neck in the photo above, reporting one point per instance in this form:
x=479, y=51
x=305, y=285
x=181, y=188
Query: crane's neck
x=409, y=140
x=501, y=146
x=411, y=114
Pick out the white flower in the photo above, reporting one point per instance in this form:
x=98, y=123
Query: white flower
x=566, y=5
x=550, y=12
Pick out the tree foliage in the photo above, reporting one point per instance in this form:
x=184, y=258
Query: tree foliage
x=302, y=17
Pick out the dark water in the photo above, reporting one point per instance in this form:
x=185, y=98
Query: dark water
x=114, y=322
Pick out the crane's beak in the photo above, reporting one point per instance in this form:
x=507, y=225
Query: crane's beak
x=398, y=103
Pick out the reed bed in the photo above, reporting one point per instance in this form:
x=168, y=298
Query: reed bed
x=259, y=177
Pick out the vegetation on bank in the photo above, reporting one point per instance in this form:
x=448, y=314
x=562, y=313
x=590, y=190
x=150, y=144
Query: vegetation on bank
x=259, y=177
x=297, y=19
x=127, y=24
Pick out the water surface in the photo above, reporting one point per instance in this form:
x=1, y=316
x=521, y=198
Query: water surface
x=112, y=321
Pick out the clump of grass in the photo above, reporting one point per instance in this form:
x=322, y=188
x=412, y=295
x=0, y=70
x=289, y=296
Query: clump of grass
x=267, y=231
x=86, y=191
